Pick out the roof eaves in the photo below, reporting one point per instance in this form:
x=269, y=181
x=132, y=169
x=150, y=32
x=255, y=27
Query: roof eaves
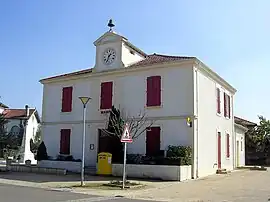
x=85, y=71
x=241, y=127
x=215, y=76
x=135, y=48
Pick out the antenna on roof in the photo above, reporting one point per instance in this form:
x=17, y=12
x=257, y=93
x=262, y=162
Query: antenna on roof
x=111, y=25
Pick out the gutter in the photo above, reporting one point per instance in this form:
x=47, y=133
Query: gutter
x=233, y=133
x=241, y=127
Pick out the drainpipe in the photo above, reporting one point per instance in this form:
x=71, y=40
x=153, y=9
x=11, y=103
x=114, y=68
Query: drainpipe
x=233, y=132
x=197, y=127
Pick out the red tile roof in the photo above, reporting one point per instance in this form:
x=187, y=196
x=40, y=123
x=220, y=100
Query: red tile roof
x=16, y=113
x=243, y=122
x=149, y=60
x=158, y=58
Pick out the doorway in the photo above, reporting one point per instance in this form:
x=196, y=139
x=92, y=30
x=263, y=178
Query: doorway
x=110, y=144
x=219, y=150
x=237, y=154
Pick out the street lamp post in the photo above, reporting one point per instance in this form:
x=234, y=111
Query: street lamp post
x=84, y=101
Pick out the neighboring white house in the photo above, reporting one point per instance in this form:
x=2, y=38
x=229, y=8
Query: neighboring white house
x=24, y=122
x=169, y=88
x=241, y=127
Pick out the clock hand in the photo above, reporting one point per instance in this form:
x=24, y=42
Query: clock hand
x=108, y=57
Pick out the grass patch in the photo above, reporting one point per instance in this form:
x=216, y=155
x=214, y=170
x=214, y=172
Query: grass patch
x=112, y=185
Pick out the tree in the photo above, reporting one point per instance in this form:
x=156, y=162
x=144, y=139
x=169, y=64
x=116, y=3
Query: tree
x=115, y=126
x=10, y=141
x=34, y=143
x=259, y=136
x=117, y=120
x=3, y=123
x=42, y=152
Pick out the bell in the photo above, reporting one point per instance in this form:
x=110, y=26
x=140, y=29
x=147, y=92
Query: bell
x=110, y=24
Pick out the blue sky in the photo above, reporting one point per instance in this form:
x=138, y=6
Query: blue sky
x=43, y=38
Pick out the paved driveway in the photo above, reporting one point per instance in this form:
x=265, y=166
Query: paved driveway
x=240, y=186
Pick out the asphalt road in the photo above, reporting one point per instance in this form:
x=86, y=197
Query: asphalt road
x=11, y=193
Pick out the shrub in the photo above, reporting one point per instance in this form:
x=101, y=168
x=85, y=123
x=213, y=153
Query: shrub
x=183, y=152
x=42, y=152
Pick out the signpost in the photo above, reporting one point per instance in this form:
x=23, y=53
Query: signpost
x=126, y=138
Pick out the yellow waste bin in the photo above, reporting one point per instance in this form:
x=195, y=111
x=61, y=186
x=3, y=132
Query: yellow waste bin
x=104, y=163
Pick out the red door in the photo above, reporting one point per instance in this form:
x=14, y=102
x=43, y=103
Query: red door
x=153, y=141
x=219, y=150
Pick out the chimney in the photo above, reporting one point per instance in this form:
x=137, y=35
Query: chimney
x=26, y=110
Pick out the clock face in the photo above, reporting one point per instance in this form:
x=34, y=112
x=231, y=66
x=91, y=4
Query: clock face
x=109, y=56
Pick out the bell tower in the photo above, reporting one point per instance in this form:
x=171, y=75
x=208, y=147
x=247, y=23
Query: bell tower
x=113, y=51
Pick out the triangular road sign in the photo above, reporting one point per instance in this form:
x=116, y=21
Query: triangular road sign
x=126, y=136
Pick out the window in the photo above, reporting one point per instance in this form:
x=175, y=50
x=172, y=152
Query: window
x=227, y=145
x=218, y=101
x=65, y=141
x=153, y=141
x=153, y=91
x=227, y=106
x=106, y=95
x=67, y=99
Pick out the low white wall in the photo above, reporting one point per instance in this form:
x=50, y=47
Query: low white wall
x=68, y=165
x=163, y=172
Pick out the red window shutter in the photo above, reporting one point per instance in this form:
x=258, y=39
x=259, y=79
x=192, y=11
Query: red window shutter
x=65, y=141
x=67, y=99
x=228, y=146
x=218, y=101
x=229, y=106
x=149, y=92
x=153, y=141
x=106, y=95
x=153, y=91
x=225, y=105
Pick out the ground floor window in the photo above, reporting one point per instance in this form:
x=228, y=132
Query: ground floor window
x=153, y=141
x=65, y=141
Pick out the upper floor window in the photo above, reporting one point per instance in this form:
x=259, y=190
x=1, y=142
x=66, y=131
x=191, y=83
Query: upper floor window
x=67, y=99
x=153, y=97
x=218, y=101
x=106, y=95
x=227, y=106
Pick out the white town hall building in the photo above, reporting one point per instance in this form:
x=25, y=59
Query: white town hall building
x=169, y=88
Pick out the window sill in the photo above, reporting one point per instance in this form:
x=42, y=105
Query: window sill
x=153, y=107
x=104, y=111
x=66, y=112
x=226, y=117
x=218, y=114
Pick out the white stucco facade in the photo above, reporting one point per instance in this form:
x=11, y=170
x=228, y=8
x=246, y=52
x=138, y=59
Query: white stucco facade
x=188, y=89
x=240, y=145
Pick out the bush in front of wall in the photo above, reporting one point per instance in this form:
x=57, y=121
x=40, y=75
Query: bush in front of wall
x=182, y=152
x=41, y=152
